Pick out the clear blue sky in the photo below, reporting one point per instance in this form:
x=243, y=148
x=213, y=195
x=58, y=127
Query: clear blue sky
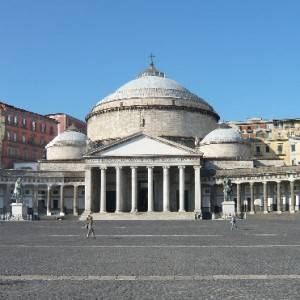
x=242, y=56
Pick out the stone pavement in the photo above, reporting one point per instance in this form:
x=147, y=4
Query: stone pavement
x=151, y=260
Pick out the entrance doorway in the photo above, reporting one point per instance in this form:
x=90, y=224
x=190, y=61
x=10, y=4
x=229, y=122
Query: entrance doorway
x=110, y=201
x=142, y=204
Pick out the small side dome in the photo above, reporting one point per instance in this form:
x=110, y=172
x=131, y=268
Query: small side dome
x=71, y=144
x=222, y=135
x=225, y=143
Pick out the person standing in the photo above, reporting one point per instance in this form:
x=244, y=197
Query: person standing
x=90, y=226
x=233, y=222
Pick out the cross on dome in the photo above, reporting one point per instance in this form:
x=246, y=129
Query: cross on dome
x=151, y=70
x=151, y=60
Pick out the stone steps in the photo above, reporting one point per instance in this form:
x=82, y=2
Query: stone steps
x=141, y=216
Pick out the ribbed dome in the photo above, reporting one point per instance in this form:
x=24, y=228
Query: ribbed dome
x=152, y=83
x=68, y=137
x=222, y=135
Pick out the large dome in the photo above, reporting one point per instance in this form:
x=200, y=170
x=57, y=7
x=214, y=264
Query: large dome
x=152, y=103
x=149, y=86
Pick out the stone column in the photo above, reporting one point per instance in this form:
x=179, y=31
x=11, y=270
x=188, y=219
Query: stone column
x=238, y=198
x=88, y=190
x=61, y=201
x=49, y=200
x=297, y=202
x=118, y=188
x=278, y=198
x=7, y=198
x=166, y=189
x=35, y=199
x=133, y=189
x=213, y=198
x=75, y=200
x=150, y=189
x=103, y=191
x=265, y=190
x=252, y=198
x=198, y=203
x=292, y=193
x=181, y=188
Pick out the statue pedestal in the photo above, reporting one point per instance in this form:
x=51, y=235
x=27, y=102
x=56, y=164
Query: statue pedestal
x=228, y=209
x=19, y=211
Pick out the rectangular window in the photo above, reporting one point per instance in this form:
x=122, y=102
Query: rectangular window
x=293, y=148
x=279, y=148
x=24, y=139
x=16, y=120
x=15, y=137
x=8, y=135
x=33, y=125
x=267, y=149
x=257, y=149
x=43, y=128
x=24, y=123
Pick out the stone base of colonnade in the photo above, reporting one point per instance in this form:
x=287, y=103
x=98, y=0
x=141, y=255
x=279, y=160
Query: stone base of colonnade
x=141, y=216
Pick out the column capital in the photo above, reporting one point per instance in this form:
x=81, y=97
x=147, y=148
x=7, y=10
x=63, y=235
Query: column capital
x=181, y=167
x=197, y=167
x=278, y=181
x=103, y=168
x=150, y=167
x=251, y=183
x=292, y=180
x=166, y=167
x=133, y=167
x=118, y=167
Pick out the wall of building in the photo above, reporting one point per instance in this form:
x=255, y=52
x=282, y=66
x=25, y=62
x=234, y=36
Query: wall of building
x=294, y=146
x=228, y=164
x=157, y=122
x=75, y=165
x=226, y=150
x=65, y=121
x=25, y=135
x=65, y=152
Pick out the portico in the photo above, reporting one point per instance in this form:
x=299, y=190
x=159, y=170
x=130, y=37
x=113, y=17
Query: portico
x=160, y=177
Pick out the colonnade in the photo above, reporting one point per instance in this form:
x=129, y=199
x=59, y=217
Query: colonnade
x=134, y=187
x=61, y=199
x=279, y=207
x=48, y=188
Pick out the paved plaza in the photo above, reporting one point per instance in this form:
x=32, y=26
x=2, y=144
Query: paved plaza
x=151, y=259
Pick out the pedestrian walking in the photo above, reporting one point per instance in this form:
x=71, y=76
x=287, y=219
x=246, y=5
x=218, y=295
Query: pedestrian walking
x=233, y=222
x=90, y=226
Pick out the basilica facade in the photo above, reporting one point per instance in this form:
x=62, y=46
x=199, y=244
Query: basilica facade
x=153, y=150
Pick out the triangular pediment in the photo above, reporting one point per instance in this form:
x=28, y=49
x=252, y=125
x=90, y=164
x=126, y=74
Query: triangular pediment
x=143, y=145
